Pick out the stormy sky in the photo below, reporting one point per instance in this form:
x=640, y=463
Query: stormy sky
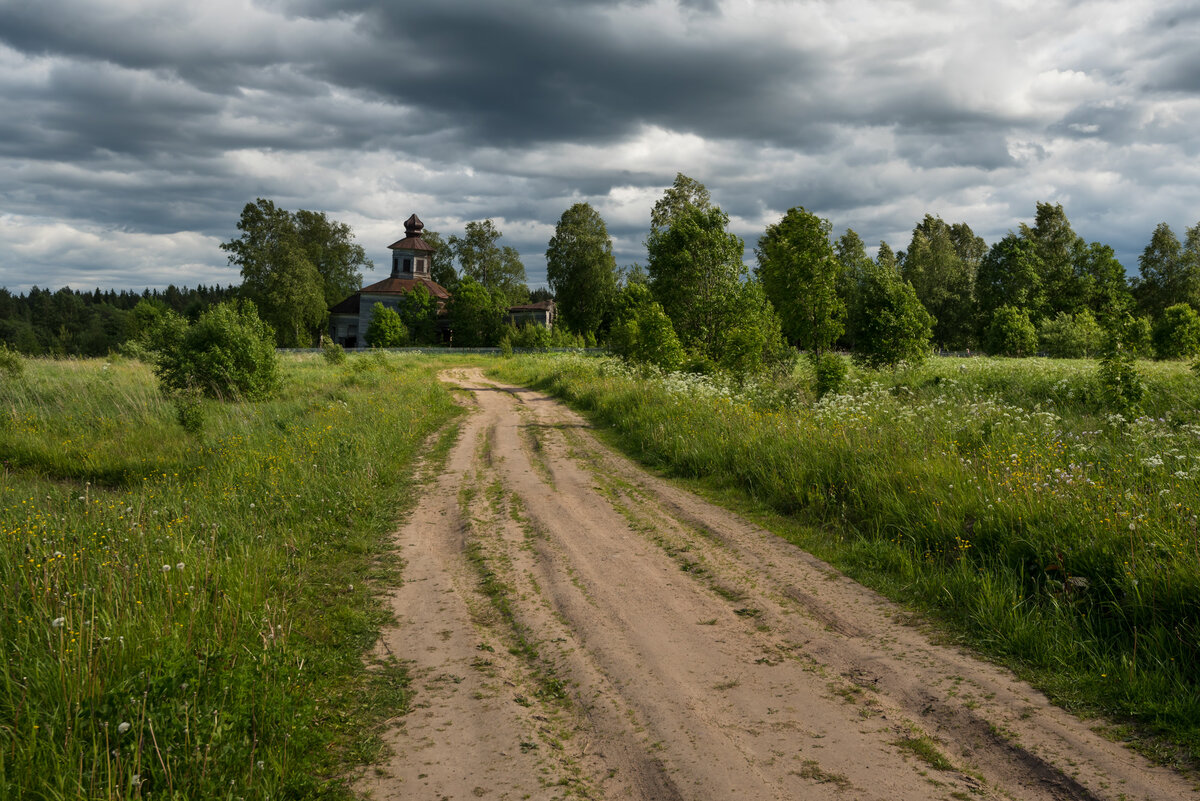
x=132, y=132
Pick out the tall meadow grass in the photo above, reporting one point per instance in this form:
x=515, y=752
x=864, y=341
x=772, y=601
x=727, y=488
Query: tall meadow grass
x=998, y=494
x=185, y=616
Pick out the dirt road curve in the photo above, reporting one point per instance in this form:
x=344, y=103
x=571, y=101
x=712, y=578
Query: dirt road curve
x=578, y=628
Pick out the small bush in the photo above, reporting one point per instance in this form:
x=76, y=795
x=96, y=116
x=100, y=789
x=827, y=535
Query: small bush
x=386, y=329
x=333, y=352
x=189, y=410
x=1121, y=384
x=229, y=352
x=831, y=371
x=11, y=363
x=1176, y=333
x=1071, y=336
x=1011, y=333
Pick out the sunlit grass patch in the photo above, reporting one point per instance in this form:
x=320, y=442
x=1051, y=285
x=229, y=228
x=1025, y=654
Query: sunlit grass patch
x=185, y=614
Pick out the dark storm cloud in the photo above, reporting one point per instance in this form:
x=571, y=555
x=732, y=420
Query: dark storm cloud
x=519, y=73
x=156, y=121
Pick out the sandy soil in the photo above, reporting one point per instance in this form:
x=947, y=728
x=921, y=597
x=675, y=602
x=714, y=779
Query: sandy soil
x=636, y=642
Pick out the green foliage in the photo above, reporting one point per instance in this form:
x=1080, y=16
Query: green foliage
x=498, y=269
x=1011, y=333
x=1058, y=250
x=1070, y=336
x=1169, y=272
x=441, y=261
x=695, y=268
x=890, y=324
x=1177, y=332
x=1121, y=385
x=476, y=314
x=800, y=274
x=332, y=352
x=294, y=267
x=91, y=323
x=684, y=193
x=419, y=311
x=386, y=329
x=1009, y=275
x=831, y=370
x=944, y=278
x=229, y=353
x=751, y=341
x=853, y=264
x=329, y=245
x=532, y=336
x=189, y=410
x=581, y=269
x=642, y=332
x=222, y=592
x=11, y=363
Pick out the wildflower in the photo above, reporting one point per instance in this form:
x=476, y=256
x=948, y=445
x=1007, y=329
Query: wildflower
x=179, y=566
x=57, y=622
x=166, y=568
x=123, y=727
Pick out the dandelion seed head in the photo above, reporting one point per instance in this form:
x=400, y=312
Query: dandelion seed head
x=123, y=727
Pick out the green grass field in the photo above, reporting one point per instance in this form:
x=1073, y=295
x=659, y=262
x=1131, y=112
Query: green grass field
x=186, y=616
x=996, y=494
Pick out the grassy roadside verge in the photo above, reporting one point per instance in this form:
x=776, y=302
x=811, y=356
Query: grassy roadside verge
x=186, y=616
x=1056, y=540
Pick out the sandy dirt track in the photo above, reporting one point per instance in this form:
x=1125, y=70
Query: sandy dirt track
x=579, y=628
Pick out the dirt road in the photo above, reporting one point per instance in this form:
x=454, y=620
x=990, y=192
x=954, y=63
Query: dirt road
x=578, y=628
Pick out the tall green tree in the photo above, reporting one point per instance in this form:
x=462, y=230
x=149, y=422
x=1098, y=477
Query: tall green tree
x=476, y=314
x=695, y=267
x=1009, y=275
x=1169, y=272
x=853, y=263
x=481, y=257
x=891, y=324
x=441, y=261
x=331, y=248
x=941, y=263
x=1106, y=289
x=581, y=269
x=1058, y=249
x=418, y=309
x=799, y=273
x=683, y=194
x=294, y=266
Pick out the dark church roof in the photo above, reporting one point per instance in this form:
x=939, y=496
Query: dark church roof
x=402, y=286
x=347, y=306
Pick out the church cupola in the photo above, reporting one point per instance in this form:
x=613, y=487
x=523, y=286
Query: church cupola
x=412, y=255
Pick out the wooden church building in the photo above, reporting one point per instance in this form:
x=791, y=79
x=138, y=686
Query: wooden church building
x=412, y=258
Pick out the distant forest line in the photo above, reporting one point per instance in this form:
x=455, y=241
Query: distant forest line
x=71, y=322
x=1039, y=288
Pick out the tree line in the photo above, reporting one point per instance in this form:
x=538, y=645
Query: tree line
x=695, y=303
x=1040, y=288
x=70, y=322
